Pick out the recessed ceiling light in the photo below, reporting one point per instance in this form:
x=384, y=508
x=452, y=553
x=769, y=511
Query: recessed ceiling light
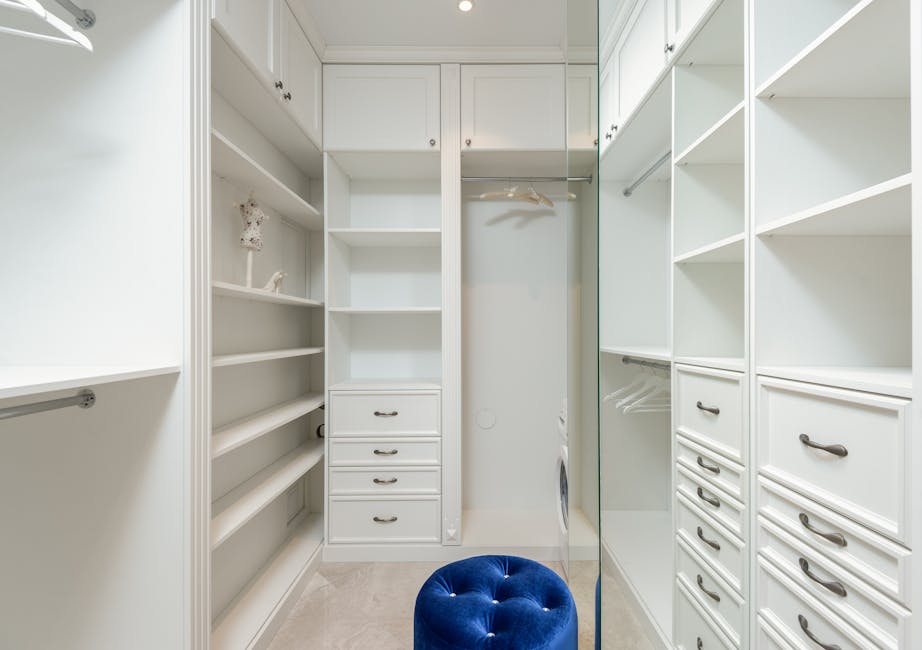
x=465, y=5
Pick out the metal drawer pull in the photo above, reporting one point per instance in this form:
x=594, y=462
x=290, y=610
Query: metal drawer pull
x=714, y=545
x=835, y=450
x=389, y=452
x=805, y=626
x=385, y=481
x=710, y=468
x=714, y=501
x=710, y=409
x=713, y=595
x=700, y=643
x=385, y=520
x=388, y=414
x=836, y=538
x=832, y=585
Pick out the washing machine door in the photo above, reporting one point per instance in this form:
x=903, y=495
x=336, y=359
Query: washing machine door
x=563, y=507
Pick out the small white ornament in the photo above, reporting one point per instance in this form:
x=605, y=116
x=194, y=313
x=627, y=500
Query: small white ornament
x=275, y=282
x=253, y=219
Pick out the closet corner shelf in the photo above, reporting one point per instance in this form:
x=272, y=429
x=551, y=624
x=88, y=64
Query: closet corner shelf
x=385, y=310
x=390, y=165
x=726, y=251
x=639, y=351
x=361, y=384
x=224, y=360
x=882, y=210
x=884, y=380
x=841, y=63
x=232, y=164
x=240, y=432
x=239, y=624
x=722, y=144
x=19, y=381
x=240, y=505
x=259, y=295
x=642, y=138
x=734, y=364
x=388, y=237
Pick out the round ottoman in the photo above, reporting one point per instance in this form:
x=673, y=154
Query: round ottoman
x=497, y=602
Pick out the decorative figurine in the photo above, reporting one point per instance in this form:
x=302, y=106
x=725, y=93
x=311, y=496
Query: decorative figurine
x=252, y=237
x=275, y=282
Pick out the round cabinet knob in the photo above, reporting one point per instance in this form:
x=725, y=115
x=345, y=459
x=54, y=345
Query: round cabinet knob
x=468, y=142
x=595, y=142
x=287, y=97
x=431, y=142
x=279, y=85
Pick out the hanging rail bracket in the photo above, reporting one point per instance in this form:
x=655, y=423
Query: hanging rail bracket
x=84, y=17
x=84, y=399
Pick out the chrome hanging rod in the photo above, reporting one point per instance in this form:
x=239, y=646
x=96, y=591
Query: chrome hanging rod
x=85, y=17
x=647, y=364
x=647, y=174
x=532, y=179
x=84, y=399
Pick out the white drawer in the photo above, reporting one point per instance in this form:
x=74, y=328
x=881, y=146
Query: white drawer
x=723, y=473
x=875, y=615
x=768, y=638
x=716, y=596
x=365, y=414
x=799, y=615
x=397, y=480
x=693, y=629
x=712, y=500
x=870, y=483
x=385, y=452
x=872, y=557
x=725, y=552
x=371, y=520
x=710, y=409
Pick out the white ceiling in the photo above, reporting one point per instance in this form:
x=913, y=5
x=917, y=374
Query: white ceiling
x=439, y=23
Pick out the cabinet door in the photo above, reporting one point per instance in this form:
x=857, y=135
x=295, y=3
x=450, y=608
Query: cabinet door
x=641, y=53
x=381, y=107
x=683, y=15
x=513, y=107
x=252, y=27
x=582, y=107
x=301, y=75
x=608, y=103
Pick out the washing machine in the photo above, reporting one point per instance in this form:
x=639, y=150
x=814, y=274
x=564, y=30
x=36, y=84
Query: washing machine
x=563, y=506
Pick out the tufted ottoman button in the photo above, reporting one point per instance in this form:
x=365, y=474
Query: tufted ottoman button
x=495, y=602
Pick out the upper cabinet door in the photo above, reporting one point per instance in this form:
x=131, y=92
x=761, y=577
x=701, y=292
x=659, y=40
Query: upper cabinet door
x=683, y=15
x=252, y=27
x=301, y=77
x=381, y=107
x=582, y=107
x=513, y=107
x=641, y=53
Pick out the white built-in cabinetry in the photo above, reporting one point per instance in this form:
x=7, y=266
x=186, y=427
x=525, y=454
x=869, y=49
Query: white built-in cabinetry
x=767, y=263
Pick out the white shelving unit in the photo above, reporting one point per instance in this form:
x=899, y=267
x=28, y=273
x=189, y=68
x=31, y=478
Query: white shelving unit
x=261, y=295
x=388, y=237
x=640, y=352
x=241, y=432
x=258, y=357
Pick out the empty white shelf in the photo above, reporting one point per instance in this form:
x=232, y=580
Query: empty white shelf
x=248, y=499
x=240, y=432
x=390, y=165
x=883, y=210
x=423, y=383
x=259, y=295
x=641, y=139
x=17, y=381
x=864, y=54
x=720, y=144
x=885, y=380
x=232, y=164
x=729, y=250
x=735, y=364
x=639, y=351
x=223, y=360
x=385, y=310
x=243, y=620
x=383, y=237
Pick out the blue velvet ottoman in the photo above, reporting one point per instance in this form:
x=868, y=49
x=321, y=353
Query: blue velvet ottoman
x=495, y=602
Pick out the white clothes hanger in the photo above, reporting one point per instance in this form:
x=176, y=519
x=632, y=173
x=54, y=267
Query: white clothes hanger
x=652, y=384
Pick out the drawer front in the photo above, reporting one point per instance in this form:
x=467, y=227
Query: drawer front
x=364, y=414
x=385, y=452
x=723, y=473
x=370, y=521
x=710, y=409
x=864, y=435
x=770, y=639
x=398, y=480
x=872, y=557
x=875, y=615
x=712, y=500
x=693, y=628
x=716, y=596
x=799, y=616
x=724, y=551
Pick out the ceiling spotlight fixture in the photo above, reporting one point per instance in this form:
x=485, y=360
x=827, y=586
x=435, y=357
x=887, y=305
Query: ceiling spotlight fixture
x=465, y=5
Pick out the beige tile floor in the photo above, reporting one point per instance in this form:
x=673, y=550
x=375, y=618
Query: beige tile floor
x=370, y=607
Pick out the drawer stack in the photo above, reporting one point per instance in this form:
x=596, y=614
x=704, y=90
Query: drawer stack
x=385, y=467
x=711, y=508
x=833, y=517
